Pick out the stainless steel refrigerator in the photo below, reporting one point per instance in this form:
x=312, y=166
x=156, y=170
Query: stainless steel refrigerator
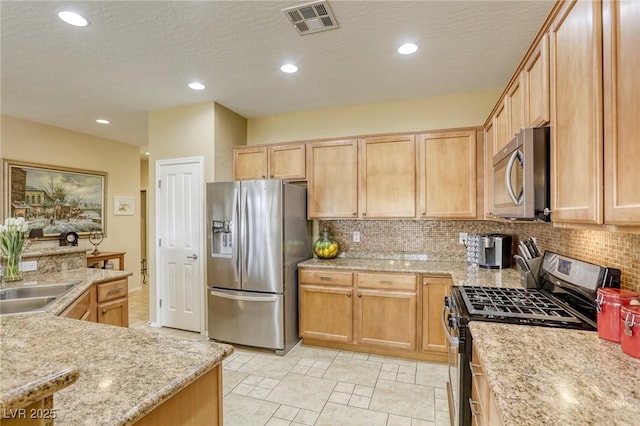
x=258, y=233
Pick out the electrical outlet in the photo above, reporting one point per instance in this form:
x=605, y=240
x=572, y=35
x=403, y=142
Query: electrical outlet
x=356, y=236
x=462, y=238
x=28, y=266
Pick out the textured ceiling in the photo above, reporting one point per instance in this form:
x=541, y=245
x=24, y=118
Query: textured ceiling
x=138, y=56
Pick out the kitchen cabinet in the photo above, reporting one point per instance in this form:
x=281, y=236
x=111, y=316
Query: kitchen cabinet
x=500, y=128
x=434, y=290
x=575, y=39
x=332, y=191
x=483, y=406
x=621, y=38
x=84, y=307
x=105, y=303
x=113, y=305
x=489, y=136
x=385, y=312
x=284, y=161
x=536, y=85
x=514, y=101
x=388, y=178
x=325, y=305
x=448, y=178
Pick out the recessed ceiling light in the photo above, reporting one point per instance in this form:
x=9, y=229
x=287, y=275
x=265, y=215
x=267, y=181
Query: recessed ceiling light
x=146, y=153
x=103, y=121
x=196, y=86
x=73, y=18
x=407, y=49
x=289, y=68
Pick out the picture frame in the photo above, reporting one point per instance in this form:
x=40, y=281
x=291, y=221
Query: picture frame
x=123, y=206
x=54, y=199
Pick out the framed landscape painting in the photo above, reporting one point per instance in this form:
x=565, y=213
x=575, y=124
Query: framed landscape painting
x=55, y=199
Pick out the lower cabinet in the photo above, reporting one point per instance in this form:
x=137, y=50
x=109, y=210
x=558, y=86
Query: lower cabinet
x=434, y=289
x=105, y=303
x=484, y=410
x=377, y=312
x=385, y=313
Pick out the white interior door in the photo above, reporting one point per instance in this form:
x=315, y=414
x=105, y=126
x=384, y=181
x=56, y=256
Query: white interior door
x=180, y=240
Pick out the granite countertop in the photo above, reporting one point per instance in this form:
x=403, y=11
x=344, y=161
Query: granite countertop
x=461, y=272
x=542, y=375
x=117, y=375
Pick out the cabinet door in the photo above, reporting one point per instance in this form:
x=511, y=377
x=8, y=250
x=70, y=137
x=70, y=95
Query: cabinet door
x=515, y=108
x=114, y=313
x=333, y=179
x=84, y=307
x=621, y=111
x=489, y=136
x=536, y=85
x=501, y=128
x=448, y=180
x=434, y=289
x=388, y=177
x=287, y=162
x=326, y=313
x=250, y=163
x=575, y=39
x=386, y=318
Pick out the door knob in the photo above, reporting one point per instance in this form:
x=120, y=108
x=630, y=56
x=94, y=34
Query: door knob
x=194, y=257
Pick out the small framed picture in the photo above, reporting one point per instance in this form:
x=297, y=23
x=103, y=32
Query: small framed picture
x=123, y=206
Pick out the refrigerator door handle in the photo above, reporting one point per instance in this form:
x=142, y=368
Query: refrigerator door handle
x=243, y=298
x=234, y=243
x=244, y=225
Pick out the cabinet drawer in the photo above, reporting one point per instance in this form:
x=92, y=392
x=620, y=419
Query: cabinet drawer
x=387, y=281
x=326, y=277
x=112, y=290
x=81, y=308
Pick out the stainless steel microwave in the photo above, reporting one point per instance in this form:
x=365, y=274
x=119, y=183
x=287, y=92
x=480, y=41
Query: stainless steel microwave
x=521, y=187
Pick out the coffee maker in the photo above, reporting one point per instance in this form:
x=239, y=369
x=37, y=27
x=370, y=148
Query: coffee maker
x=494, y=251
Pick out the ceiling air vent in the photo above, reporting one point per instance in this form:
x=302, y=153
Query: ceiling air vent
x=311, y=17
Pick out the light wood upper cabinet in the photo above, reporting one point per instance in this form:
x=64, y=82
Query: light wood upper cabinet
x=286, y=161
x=434, y=289
x=575, y=40
x=621, y=41
x=500, y=128
x=489, y=136
x=448, y=179
x=333, y=179
x=388, y=177
x=250, y=163
x=535, y=80
x=514, y=102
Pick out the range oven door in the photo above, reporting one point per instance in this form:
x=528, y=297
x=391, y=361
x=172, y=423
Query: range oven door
x=450, y=324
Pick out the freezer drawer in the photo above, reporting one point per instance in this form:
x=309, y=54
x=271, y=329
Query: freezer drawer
x=246, y=318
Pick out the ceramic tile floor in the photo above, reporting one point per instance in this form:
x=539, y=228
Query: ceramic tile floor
x=317, y=386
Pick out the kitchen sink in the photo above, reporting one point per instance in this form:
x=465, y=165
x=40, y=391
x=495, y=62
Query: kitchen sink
x=35, y=291
x=31, y=304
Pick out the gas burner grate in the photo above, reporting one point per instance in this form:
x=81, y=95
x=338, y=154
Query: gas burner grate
x=514, y=303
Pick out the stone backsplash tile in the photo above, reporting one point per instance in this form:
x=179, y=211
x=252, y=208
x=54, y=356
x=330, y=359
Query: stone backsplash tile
x=438, y=240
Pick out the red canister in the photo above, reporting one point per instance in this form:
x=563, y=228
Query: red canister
x=630, y=333
x=609, y=302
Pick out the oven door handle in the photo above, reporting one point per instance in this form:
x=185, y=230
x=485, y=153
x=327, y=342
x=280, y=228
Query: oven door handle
x=455, y=341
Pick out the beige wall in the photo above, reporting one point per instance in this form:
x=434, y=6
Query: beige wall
x=176, y=133
x=231, y=130
x=23, y=140
x=463, y=110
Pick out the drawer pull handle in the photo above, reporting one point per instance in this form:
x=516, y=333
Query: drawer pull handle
x=474, y=412
x=388, y=282
x=325, y=278
x=115, y=290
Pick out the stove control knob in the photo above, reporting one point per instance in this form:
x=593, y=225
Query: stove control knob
x=453, y=321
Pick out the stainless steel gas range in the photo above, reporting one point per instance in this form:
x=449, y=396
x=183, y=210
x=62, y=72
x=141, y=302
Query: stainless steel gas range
x=565, y=297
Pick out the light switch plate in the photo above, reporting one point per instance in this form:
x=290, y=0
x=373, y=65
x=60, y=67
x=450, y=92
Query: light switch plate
x=356, y=236
x=29, y=266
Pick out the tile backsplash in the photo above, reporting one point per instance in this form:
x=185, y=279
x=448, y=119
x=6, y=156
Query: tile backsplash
x=438, y=240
